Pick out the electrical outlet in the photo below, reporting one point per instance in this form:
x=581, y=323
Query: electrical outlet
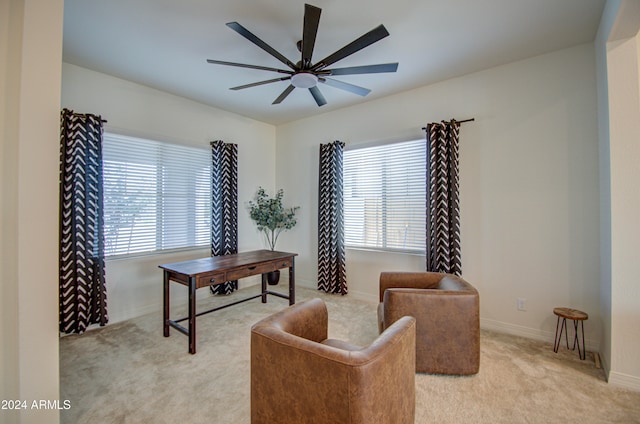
x=522, y=304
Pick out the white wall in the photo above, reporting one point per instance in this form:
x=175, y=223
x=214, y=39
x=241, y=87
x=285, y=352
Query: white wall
x=30, y=62
x=529, y=185
x=617, y=47
x=606, y=22
x=134, y=286
x=623, y=75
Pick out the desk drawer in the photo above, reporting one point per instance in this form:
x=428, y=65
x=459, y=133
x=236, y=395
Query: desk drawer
x=209, y=279
x=251, y=270
x=258, y=269
x=283, y=263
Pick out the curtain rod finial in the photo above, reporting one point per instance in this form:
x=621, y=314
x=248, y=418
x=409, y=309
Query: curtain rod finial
x=453, y=119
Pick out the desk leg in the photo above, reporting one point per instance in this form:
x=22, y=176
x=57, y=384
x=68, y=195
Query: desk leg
x=166, y=304
x=292, y=282
x=264, y=288
x=192, y=315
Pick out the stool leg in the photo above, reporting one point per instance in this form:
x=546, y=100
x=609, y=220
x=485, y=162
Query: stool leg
x=584, y=352
x=576, y=341
x=556, y=340
x=566, y=332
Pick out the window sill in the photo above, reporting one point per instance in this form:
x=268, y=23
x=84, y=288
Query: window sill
x=387, y=251
x=155, y=253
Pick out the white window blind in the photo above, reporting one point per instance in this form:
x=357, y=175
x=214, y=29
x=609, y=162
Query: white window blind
x=385, y=196
x=157, y=196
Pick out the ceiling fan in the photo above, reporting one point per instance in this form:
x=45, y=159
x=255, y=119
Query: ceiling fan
x=305, y=73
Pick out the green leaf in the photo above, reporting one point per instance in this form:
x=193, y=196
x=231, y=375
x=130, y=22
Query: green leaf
x=270, y=215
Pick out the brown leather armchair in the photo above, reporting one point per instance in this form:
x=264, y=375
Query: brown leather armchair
x=300, y=376
x=447, y=313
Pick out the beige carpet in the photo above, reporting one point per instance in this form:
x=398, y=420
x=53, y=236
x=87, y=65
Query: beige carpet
x=130, y=373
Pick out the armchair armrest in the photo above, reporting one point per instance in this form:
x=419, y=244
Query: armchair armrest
x=308, y=320
x=416, y=280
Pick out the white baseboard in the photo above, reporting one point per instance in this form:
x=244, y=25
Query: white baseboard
x=313, y=285
x=307, y=284
x=179, y=297
x=115, y=318
x=531, y=333
x=366, y=297
x=624, y=381
x=488, y=324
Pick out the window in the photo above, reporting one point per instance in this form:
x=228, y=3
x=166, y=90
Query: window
x=385, y=197
x=157, y=196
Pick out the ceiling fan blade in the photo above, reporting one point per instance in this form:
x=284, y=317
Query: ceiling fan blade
x=243, y=65
x=367, y=39
x=255, y=84
x=317, y=95
x=258, y=42
x=367, y=69
x=361, y=91
x=283, y=95
x=309, y=32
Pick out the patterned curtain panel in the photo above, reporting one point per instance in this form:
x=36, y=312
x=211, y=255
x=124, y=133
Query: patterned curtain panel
x=332, y=274
x=224, y=206
x=83, y=293
x=443, y=209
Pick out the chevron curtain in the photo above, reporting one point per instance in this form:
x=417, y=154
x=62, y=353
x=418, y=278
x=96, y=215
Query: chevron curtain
x=332, y=274
x=443, y=208
x=83, y=293
x=224, y=206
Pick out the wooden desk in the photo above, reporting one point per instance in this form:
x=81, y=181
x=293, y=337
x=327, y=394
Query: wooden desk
x=220, y=269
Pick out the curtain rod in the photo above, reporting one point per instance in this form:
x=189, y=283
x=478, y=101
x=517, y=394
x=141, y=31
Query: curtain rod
x=459, y=122
x=104, y=121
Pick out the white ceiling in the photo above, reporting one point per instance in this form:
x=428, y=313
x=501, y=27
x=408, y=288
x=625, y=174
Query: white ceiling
x=165, y=43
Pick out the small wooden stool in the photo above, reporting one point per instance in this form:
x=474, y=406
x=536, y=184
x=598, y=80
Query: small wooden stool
x=575, y=315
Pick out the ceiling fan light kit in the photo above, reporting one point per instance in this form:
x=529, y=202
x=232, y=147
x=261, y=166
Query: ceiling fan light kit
x=306, y=74
x=304, y=80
